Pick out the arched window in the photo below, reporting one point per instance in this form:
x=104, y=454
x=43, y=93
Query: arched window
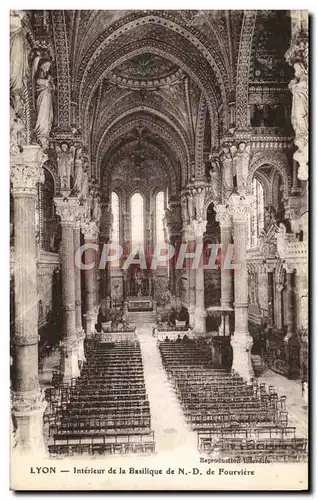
x=137, y=219
x=115, y=221
x=256, y=218
x=160, y=213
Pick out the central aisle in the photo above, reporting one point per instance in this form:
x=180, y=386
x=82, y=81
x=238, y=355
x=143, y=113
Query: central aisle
x=172, y=433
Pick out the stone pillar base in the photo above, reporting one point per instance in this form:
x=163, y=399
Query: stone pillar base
x=242, y=361
x=27, y=411
x=200, y=321
x=81, y=352
x=69, y=361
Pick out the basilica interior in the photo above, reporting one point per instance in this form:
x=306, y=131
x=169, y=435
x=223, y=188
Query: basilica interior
x=159, y=127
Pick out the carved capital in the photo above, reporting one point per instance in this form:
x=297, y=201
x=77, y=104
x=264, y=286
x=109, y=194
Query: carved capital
x=223, y=215
x=26, y=170
x=197, y=229
x=289, y=267
x=240, y=207
x=69, y=210
x=90, y=229
x=270, y=266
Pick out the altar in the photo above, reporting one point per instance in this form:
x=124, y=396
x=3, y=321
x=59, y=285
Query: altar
x=139, y=303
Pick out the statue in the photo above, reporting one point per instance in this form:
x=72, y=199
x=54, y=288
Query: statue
x=65, y=164
x=228, y=171
x=138, y=285
x=199, y=203
x=17, y=131
x=297, y=56
x=299, y=116
x=184, y=211
x=190, y=207
x=79, y=171
x=19, y=65
x=242, y=164
x=97, y=211
x=43, y=88
x=215, y=179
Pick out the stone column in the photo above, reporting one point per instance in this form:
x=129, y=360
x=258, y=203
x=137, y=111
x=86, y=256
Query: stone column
x=125, y=290
x=28, y=402
x=200, y=312
x=301, y=285
x=172, y=272
x=290, y=313
x=224, y=218
x=78, y=292
x=241, y=341
x=67, y=208
x=270, y=267
x=187, y=270
x=90, y=231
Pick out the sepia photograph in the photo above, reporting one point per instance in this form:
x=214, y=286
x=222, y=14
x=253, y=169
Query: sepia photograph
x=159, y=250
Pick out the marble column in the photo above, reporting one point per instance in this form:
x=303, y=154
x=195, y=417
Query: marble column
x=224, y=218
x=78, y=292
x=90, y=231
x=67, y=208
x=241, y=341
x=28, y=403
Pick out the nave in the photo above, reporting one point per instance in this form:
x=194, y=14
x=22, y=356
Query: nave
x=147, y=396
x=180, y=131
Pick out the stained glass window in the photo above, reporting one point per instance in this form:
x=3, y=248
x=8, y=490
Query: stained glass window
x=160, y=213
x=115, y=220
x=137, y=219
x=256, y=218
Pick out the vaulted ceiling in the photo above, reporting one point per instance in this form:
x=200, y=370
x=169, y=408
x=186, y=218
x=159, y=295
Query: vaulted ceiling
x=164, y=82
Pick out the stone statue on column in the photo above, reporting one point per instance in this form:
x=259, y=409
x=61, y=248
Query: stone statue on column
x=242, y=158
x=227, y=172
x=43, y=95
x=215, y=177
x=184, y=210
x=19, y=73
x=297, y=56
x=65, y=163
